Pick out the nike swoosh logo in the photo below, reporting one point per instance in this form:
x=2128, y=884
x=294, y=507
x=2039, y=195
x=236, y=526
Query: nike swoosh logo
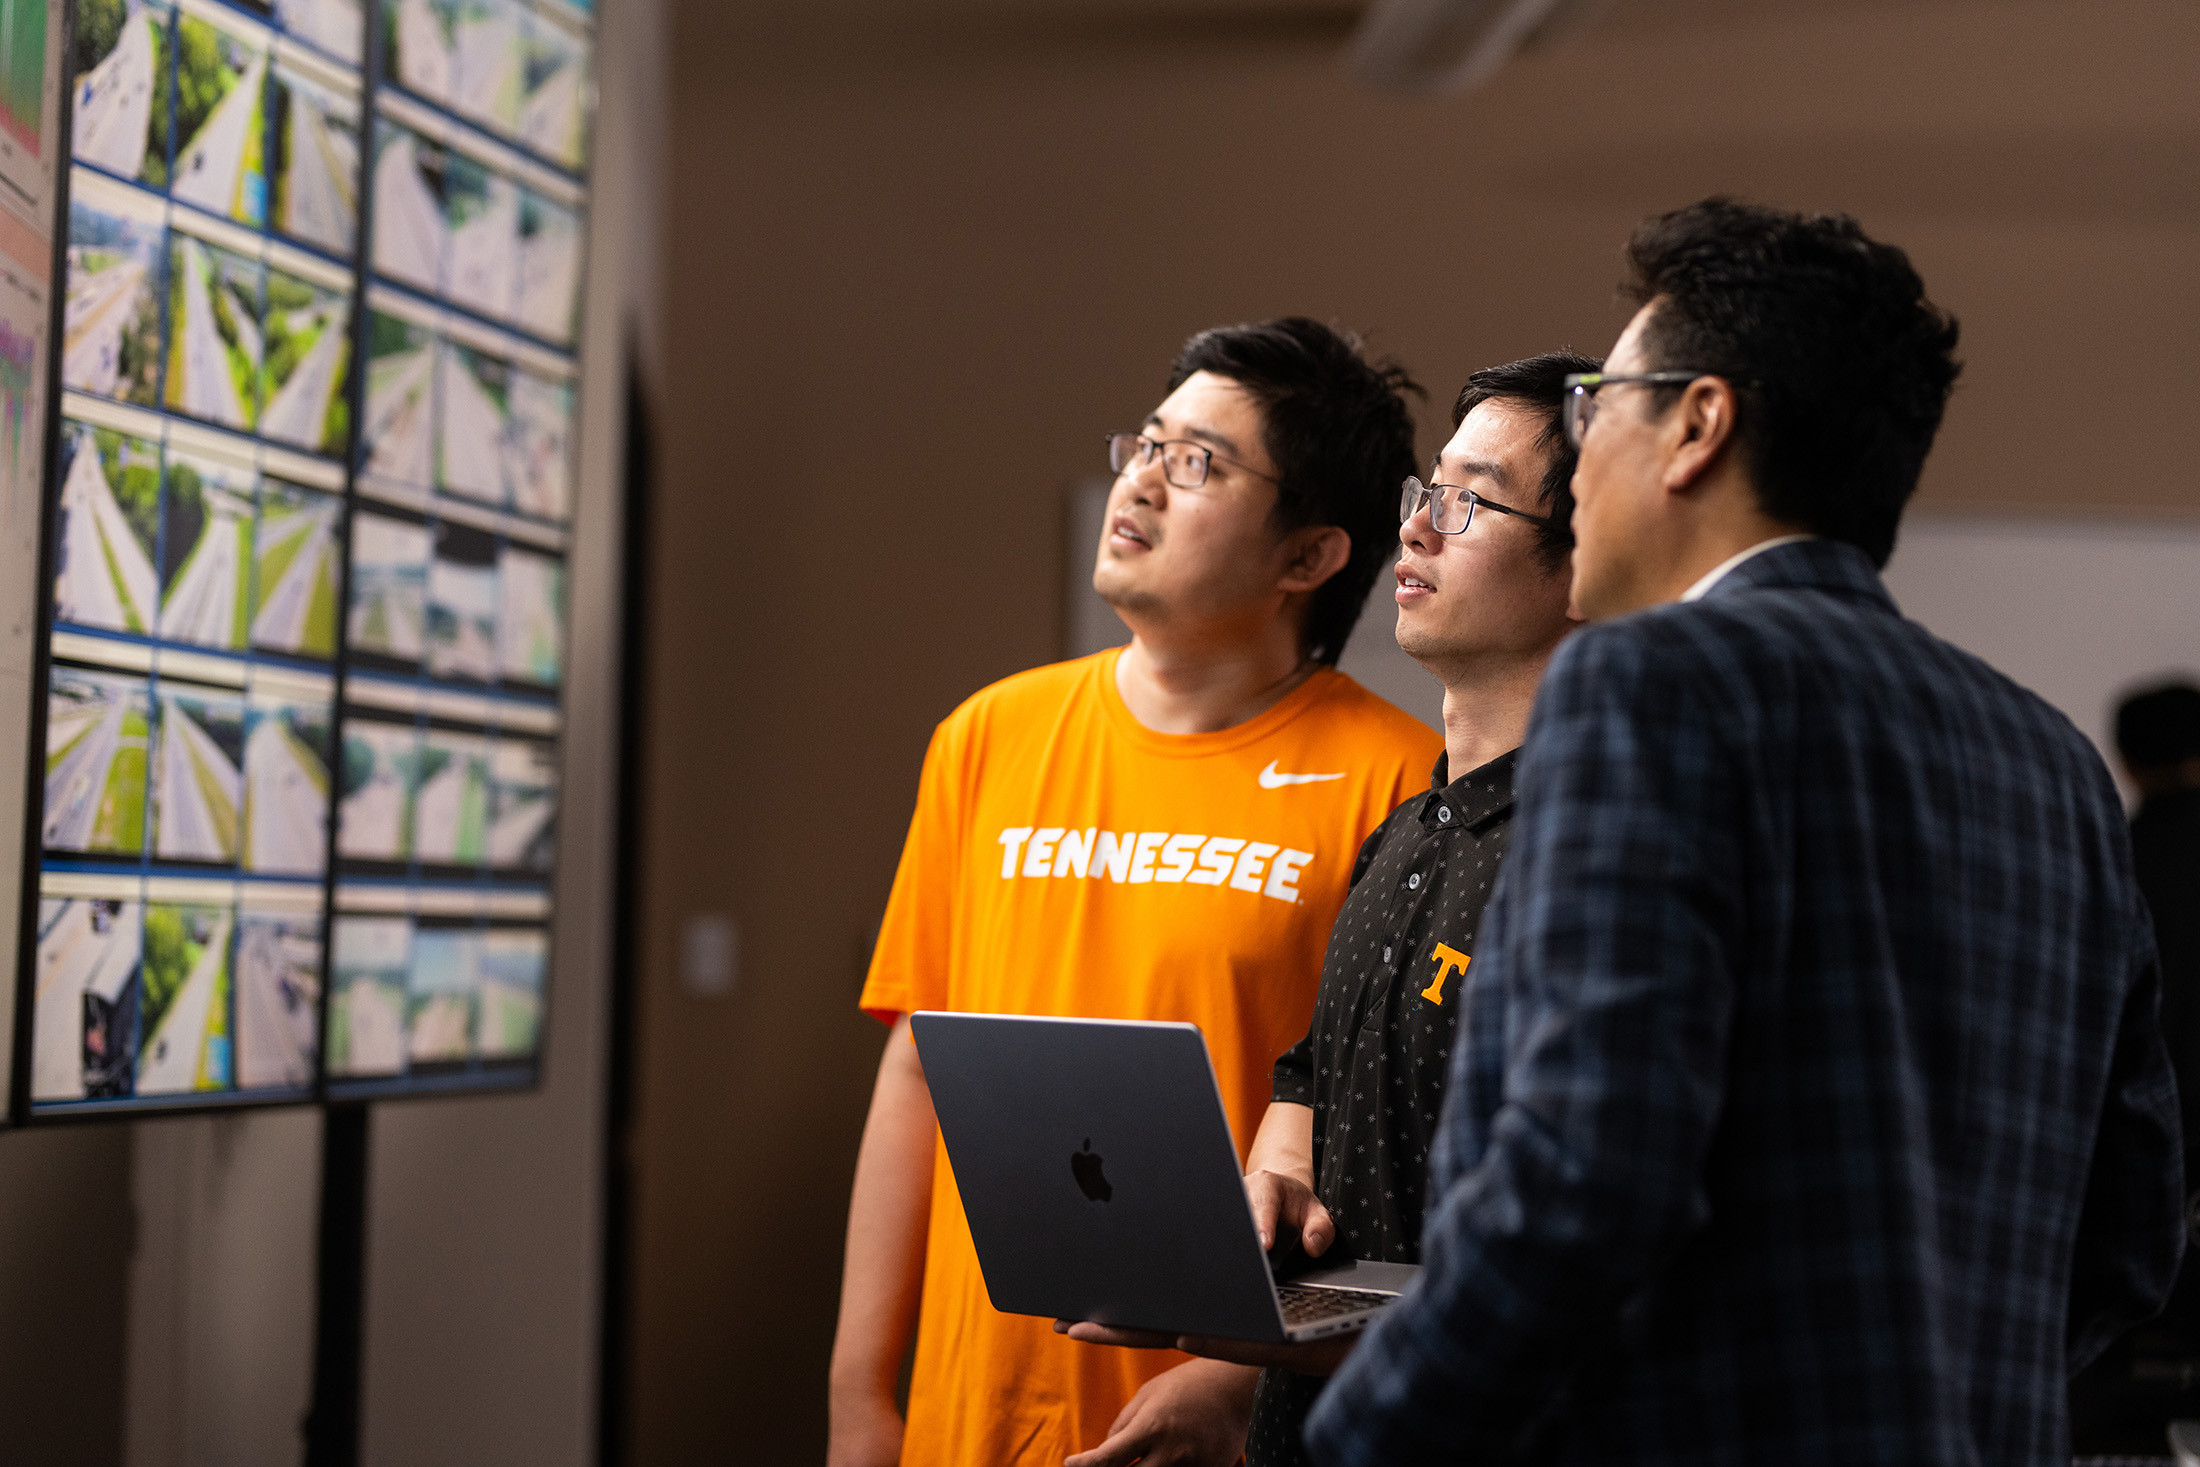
x=1270, y=780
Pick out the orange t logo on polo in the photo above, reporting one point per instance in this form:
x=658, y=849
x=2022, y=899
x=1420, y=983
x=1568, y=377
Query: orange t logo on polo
x=1448, y=960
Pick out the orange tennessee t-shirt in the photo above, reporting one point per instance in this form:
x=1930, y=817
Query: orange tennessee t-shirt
x=1064, y=859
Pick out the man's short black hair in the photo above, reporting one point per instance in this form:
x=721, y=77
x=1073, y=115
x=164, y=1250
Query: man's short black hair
x=1841, y=364
x=2159, y=727
x=1337, y=427
x=1538, y=383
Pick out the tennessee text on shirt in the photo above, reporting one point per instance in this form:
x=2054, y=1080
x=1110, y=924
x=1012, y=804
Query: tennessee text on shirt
x=1138, y=856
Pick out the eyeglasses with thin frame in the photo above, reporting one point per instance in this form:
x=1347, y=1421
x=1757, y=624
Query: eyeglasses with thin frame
x=1582, y=388
x=1452, y=506
x=1184, y=463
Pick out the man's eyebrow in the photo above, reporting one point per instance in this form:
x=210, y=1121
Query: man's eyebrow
x=1474, y=468
x=1207, y=436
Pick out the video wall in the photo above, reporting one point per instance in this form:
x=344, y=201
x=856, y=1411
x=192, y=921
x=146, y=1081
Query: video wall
x=309, y=525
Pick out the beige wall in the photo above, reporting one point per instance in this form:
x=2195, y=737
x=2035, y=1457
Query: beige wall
x=913, y=271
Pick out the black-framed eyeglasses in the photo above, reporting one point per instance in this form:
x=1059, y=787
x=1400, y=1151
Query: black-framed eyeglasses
x=1452, y=506
x=1184, y=463
x=1582, y=388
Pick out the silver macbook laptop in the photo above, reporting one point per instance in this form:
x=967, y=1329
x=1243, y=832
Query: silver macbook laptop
x=1095, y=1165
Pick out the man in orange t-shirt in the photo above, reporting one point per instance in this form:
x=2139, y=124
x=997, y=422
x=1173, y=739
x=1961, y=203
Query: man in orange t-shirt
x=1162, y=832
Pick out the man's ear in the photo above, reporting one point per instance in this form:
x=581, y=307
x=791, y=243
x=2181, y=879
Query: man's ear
x=1314, y=555
x=1698, y=432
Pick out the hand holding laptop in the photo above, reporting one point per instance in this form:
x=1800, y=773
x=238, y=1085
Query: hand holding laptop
x=1315, y=1357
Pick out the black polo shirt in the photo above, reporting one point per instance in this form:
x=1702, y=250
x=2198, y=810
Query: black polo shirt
x=1373, y=1063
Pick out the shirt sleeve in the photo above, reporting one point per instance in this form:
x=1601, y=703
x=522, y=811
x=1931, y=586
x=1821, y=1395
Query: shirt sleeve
x=1584, y=1095
x=913, y=960
x=2131, y=1233
x=1293, y=1080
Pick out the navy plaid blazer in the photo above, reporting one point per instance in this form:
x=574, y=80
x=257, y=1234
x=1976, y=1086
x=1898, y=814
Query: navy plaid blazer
x=1811, y=1107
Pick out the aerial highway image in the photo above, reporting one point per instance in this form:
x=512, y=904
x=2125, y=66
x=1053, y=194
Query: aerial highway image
x=286, y=795
x=551, y=119
x=462, y=604
x=389, y=587
x=451, y=809
x=538, y=445
x=184, y=1018
x=483, y=210
x=221, y=92
x=214, y=333
x=446, y=982
x=420, y=41
x=198, y=789
x=307, y=345
x=523, y=804
x=511, y=964
x=313, y=132
x=121, y=71
x=206, y=559
x=108, y=525
x=549, y=269
x=278, y=997
x=84, y=1013
x=336, y=26
x=111, y=319
x=98, y=726
x=487, y=60
x=470, y=388
x=399, y=428
x=368, y=968
x=410, y=237
x=530, y=618
x=294, y=570
x=381, y=773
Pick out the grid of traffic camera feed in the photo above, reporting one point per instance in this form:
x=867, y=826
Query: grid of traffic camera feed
x=219, y=690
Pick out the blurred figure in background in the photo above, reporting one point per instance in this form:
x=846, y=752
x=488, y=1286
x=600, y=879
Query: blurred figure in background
x=1163, y=831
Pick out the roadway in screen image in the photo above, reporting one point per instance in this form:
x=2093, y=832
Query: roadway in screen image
x=381, y=771
x=214, y=338
x=369, y=971
x=551, y=112
x=316, y=139
x=512, y=964
x=530, y=618
x=472, y=389
x=83, y=1016
x=111, y=330
x=286, y=787
x=488, y=62
x=187, y=1041
x=278, y=999
x=221, y=89
x=538, y=447
x=443, y=996
x=295, y=570
x=549, y=269
x=451, y=810
x=399, y=428
x=410, y=236
x=208, y=553
x=121, y=58
x=98, y=727
x=389, y=587
x=198, y=789
x=523, y=804
x=420, y=33
x=483, y=209
x=104, y=541
x=462, y=605
x=307, y=351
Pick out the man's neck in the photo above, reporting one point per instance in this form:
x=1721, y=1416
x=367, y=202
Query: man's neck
x=1207, y=687
x=1486, y=710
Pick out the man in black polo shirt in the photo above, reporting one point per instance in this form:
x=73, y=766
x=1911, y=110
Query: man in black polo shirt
x=1483, y=583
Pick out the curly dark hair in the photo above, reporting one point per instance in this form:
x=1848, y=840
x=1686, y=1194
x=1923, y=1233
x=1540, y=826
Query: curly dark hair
x=1341, y=436
x=1841, y=365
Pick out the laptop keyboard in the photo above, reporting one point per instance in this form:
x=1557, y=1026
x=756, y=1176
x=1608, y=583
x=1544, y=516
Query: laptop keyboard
x=1306, y=1304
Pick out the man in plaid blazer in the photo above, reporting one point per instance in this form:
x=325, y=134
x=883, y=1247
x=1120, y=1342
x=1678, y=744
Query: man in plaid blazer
x=1812, y=1107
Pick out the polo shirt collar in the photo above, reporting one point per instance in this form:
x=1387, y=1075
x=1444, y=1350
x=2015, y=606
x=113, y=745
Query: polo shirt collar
x=1474, y=801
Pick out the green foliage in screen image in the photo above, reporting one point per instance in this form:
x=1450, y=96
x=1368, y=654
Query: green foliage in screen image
x=155, y=171
x=136, y=482
x=203, y=75
x=387, y=336
x=170, y=955
x=186, y=519
x=98, y=31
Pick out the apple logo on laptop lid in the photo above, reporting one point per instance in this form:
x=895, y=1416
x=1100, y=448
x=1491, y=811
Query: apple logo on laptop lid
x=1091, y=1180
